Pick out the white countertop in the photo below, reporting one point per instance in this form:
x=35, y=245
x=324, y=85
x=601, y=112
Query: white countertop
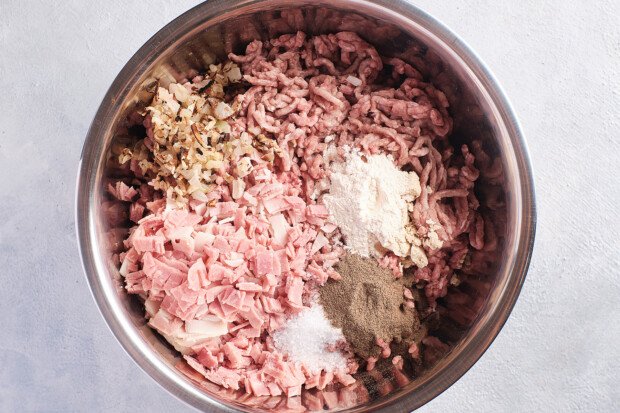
x=558, y=62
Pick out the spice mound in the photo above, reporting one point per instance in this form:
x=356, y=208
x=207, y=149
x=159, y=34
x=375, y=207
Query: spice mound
x=369, y=305
x=368, y=200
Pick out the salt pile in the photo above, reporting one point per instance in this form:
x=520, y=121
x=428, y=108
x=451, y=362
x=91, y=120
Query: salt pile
x=306, y=338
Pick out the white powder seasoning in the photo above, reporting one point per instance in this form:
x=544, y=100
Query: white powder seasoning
x=368, y=199
x=305, y=338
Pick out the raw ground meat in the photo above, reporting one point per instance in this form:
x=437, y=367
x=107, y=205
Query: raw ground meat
x=337, y=90
x=219, y=276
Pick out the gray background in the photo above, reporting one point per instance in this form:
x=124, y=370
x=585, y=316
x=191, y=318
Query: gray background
x=558, y=63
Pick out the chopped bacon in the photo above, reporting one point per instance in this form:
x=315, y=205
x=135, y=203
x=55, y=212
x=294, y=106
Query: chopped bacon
x=225, y=377
x=221, y=244
x=136, y=211
x=135, y=282
x=235, y=356
x=165, y=323
x=257, y=386
x=122, y=192
x=271, y=305
x=197, y=275
x=275, y=205
x=143, y=243
x=206, y=358
x=254, y=316
x=274, y=389
x=264, y=263
x=217, y=272
x=294, y=289
x=249, y=286
x=280, y=228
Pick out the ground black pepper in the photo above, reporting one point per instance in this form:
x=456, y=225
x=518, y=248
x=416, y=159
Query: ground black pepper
x=367, y=303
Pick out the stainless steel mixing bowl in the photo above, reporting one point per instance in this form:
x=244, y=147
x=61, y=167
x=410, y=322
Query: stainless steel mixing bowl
x=473, y=313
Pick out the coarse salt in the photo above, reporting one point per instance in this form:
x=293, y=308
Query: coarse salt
x=306, y=337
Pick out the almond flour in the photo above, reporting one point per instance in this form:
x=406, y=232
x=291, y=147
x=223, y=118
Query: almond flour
x=369, y=200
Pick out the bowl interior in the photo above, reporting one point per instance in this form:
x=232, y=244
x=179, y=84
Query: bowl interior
x=469, y=316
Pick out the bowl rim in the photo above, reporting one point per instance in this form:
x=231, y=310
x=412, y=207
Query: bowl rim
x=93, y=267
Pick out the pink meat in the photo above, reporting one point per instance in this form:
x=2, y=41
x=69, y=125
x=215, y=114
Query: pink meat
x=136, y=211
x=143, y=243
x=122, y=192
x=206, y=358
